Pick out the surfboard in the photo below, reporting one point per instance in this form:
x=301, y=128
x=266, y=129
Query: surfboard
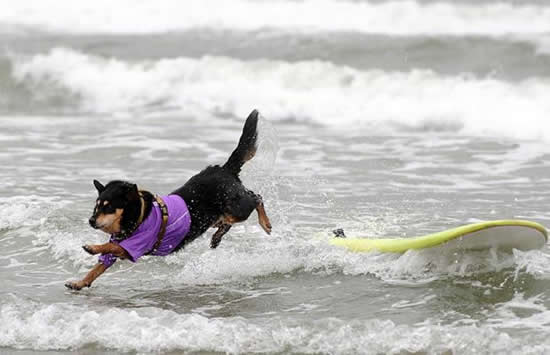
x=501, y=234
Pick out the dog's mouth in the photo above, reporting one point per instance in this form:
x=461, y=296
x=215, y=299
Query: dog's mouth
x=95, y=224
x=109, y=223
x=109, y=229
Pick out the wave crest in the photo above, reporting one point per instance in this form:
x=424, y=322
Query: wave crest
x=313, y=91
x=25, y=324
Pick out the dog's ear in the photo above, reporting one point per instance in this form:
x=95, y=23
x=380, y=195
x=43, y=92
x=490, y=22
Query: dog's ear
x=99, y=186
x=133, y=193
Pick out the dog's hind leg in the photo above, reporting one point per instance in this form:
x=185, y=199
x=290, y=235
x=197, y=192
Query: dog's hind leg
x=250, y=202
x=242, y=205
x=262, y=216
x=217, y=236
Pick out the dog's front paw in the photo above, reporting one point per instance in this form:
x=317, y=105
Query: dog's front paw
x=215, y=241
x=77, y=286
x=90, y=249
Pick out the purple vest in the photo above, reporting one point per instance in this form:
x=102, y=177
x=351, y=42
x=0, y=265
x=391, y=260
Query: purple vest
x=145, y=236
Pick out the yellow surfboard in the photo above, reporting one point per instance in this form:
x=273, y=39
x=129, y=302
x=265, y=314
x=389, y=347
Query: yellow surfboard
x=502, y=234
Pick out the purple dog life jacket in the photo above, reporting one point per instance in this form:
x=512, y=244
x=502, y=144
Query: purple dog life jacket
x=145, y=236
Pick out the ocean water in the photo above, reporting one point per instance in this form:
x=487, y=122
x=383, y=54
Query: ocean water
x=385, y=118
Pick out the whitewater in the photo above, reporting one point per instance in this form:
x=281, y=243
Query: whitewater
x=385, y=118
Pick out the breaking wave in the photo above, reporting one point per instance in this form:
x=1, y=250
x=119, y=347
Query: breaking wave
x=26, y=324
x=310, y=91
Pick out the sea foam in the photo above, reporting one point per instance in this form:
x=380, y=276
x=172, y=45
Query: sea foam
x=29, y=325
x=309, y=91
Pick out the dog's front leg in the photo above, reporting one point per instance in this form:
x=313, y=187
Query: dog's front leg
x=96, y=271
x=107, y=248
x=217, y=236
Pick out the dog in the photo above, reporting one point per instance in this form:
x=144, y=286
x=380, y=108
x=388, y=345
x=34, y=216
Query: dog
x=140, y=223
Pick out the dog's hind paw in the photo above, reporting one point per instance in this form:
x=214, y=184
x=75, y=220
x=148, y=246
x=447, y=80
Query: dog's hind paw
x=266, y=226
x=76, y=286
x=89, y=249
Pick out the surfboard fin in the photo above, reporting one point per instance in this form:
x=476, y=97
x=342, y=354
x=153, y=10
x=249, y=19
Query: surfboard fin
x=339, y=233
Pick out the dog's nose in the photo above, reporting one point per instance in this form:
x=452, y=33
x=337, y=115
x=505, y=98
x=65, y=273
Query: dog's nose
x=92, y=222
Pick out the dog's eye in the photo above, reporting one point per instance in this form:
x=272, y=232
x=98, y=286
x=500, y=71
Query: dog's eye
x=109, y=209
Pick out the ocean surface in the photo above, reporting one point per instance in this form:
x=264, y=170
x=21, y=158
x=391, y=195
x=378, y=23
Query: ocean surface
x=385, y=118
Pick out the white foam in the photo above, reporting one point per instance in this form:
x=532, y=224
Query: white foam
x=36, y=219
x=521, y=313
x=392, y=17
x=24, y=211
x=534, y=263
x=66, y=245
x=29, y=325
x=314, y=91
x=38, y=224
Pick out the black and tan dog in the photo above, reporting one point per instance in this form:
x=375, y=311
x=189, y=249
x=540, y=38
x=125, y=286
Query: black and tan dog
x=215, y=197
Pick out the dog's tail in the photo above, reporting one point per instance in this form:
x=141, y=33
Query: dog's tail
x=246, y=149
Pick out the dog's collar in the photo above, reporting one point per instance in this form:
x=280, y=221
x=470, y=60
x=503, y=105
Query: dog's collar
x=126, y=233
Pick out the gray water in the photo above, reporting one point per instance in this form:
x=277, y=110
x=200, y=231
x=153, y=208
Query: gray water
x=367, y=126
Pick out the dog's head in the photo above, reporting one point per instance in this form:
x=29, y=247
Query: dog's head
x=111, y=202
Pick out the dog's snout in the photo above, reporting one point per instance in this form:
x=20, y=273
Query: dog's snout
x=93, y=222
